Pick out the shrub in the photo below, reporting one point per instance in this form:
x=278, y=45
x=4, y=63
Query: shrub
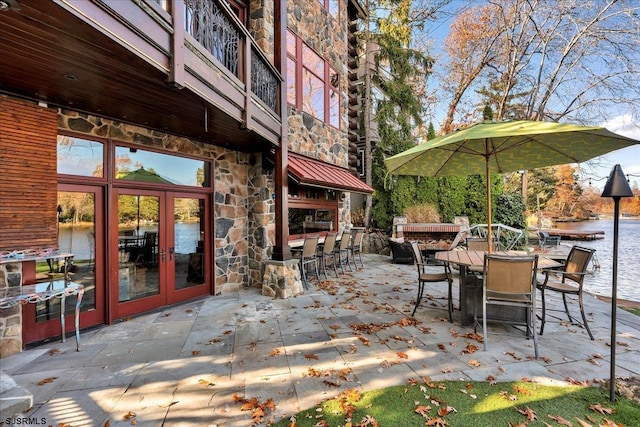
x=425, y=212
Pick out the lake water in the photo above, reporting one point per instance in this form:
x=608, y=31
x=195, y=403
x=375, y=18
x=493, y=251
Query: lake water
x=76, y=241
x=600, y=282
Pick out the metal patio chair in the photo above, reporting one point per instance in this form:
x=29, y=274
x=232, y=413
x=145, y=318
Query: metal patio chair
x=427, y=273
x=568, y=281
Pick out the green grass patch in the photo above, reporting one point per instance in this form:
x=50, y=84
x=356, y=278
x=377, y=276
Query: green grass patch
x=635, y=311
x=476, y=404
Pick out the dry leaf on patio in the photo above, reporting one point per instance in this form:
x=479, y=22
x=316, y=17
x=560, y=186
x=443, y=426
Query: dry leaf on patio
x=335, y=327
x=47, y=380
x=528, y=412
x=195, y=352
x=402, y=355
x=470, y=349
x=491, y=379
x=599, y=408
x=474, y=336
x=310, y=356
x=274, y=352
x=560, y=420
x=129, y=415
x=512, y=354
x=593, y=361
x=205, y=383
x=412, y=381
x=473, y=362
x=54, y=351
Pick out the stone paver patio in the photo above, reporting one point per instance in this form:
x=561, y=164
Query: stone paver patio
x=182, y=366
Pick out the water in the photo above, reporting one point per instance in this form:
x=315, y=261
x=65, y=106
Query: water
x=600, y=282
x=76, y=240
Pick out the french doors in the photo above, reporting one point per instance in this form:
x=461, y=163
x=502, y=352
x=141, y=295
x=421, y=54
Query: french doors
x=159, y=249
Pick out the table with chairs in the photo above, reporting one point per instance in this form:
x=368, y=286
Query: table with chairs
x=318, y=253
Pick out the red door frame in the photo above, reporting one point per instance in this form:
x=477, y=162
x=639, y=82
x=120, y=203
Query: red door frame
x=32, y=331
x=173, y=295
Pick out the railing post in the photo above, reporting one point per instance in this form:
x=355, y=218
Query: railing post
x=246, y=119
x=176, y=64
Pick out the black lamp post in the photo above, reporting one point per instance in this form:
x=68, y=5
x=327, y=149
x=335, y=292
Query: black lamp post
x=616, y=187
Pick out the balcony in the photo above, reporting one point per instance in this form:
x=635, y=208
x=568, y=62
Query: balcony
x=187, y=67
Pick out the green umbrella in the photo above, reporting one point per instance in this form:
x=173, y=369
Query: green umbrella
x=502, y=147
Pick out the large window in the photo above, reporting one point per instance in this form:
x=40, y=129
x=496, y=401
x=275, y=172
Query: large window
x=311, y=210
x=312, y=84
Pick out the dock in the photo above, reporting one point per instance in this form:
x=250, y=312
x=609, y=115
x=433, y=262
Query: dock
x=576, y=234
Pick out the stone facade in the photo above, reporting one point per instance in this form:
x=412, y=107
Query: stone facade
x=242, y=208
x=10, y=318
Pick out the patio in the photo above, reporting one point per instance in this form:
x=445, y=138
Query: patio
x=184, y=364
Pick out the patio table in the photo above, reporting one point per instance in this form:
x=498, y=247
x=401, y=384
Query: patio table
x=40, y=292
x=468, y=260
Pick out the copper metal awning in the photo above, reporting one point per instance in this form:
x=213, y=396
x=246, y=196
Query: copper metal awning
x=312, y=172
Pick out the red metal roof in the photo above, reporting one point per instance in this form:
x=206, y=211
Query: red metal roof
x=308, y=171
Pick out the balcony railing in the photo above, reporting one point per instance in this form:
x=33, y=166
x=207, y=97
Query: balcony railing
x=215, y=27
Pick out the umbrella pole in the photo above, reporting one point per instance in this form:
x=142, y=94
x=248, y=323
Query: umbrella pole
x=488, y=176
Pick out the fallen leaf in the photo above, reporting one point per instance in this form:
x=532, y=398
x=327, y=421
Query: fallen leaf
x=583, y=423
x=473, y=362
x=310, y=356
x=129, y=415
x=423, y=410
x=402, y=355
x=528, y=412
x=445, y=410
x=560, y=420
x=599, y=408
x=274, y=352
x=195, y=352
x=470, y=349
x=205, y=383
x=437, y=422
x=47, y=380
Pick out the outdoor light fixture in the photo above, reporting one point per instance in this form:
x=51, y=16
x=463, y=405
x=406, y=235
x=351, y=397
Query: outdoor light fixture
x=616, y=187
x=6, y=5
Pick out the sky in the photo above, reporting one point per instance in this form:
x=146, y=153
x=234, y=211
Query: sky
x=624, y=124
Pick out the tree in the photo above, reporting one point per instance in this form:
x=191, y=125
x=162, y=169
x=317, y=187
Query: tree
x=541, y=60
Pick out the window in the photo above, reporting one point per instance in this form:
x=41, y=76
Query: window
x=332, y=6
x=78, y=156
x=132, y=164
x=313, y=86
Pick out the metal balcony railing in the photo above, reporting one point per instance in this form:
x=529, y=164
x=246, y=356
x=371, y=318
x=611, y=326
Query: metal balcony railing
x=213, y=25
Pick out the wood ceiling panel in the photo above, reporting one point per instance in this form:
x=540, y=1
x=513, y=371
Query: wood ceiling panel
x=43, y=43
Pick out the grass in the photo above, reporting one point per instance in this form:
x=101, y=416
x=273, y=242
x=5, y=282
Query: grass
x=476, y=404
x=635, y=311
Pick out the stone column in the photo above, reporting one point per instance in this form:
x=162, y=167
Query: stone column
x=10, y=318
x=282, y=279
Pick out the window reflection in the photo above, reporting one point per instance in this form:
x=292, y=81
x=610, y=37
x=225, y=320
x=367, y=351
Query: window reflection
x=145, y=166
x=310, y=220
x=77, y=156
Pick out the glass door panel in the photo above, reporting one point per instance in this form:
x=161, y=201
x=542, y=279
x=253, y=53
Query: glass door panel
x=138, y=246
x=188, y=233
x=80, y=221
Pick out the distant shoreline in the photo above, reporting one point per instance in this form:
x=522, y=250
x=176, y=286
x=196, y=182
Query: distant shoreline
x=622, y=303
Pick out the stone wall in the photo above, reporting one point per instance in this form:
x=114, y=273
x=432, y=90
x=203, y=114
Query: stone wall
x=10, y=318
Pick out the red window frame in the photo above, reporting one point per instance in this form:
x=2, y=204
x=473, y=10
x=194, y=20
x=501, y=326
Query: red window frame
x=305, y=65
